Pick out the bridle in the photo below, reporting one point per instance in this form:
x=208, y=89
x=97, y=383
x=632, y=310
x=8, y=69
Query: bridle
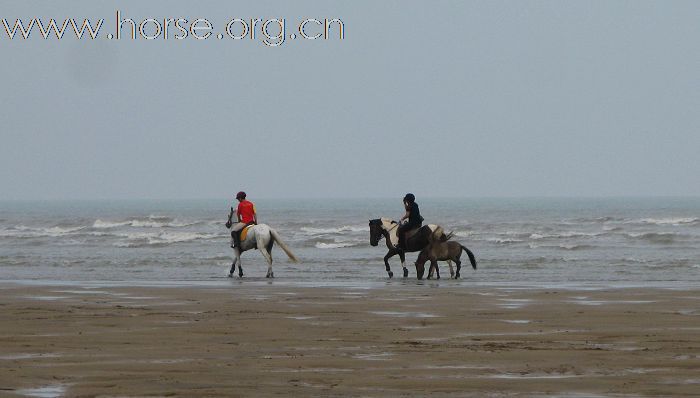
x=383, y=231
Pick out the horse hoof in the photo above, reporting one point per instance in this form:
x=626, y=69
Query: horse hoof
x=457, y=276
x=391, y=274
x=230, y=275
x=405, y=273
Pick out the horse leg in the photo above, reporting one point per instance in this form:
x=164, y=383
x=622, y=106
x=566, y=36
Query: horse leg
x=269, y=252
x=452, y=271
x=238, y=260
x=433, y=267
x=437, y=271
x=268, y=257
x=402, y=255
x=263, y=243
x=233, y=267
x=389, y=255
x=459, y=267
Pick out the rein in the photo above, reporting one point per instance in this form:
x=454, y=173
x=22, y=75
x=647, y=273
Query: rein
x=390, y=229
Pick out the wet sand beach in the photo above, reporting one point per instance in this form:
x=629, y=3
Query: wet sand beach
x=414, y=340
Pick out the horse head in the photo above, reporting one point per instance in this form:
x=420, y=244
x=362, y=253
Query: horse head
x=420, y=263
x=375, y=231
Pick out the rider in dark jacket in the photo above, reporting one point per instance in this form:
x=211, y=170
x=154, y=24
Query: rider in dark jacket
x=412, y=215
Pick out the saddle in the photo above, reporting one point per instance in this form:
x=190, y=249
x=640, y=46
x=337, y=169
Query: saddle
x=408, y=235
x=244, y=232
x=411, y=232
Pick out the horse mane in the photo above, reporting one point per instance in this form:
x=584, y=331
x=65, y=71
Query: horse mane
x=440, y=234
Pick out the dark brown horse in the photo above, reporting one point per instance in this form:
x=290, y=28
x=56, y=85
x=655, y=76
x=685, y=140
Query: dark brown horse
x=416, y=240
x=442, y=251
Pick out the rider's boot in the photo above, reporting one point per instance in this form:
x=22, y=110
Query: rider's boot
x=236, y=240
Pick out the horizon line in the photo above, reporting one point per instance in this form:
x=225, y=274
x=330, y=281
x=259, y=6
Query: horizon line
x=439, y=197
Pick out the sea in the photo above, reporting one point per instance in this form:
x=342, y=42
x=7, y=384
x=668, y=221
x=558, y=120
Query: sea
x=518, y=242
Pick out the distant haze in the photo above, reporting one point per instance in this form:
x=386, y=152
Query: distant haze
x=440, y=98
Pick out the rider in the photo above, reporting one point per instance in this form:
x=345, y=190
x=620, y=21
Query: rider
x=246, y=215
x=414, y=219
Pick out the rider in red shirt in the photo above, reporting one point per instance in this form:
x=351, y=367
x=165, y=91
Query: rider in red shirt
x=246, y=216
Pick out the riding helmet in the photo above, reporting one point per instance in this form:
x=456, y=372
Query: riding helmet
x=410, y=198
x=240, y=195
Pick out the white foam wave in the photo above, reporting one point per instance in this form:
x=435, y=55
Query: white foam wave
x=322, y=245
x=334, y=230
x=596, y=220
x=568, y=234
x=609, y=228
x=668, y=220
x=635, y=260
x=105, y=224
x=140, y=239
x=21, y=231
x=140, y=223
x=503, y=240
x=655, y=237
x=575, y=247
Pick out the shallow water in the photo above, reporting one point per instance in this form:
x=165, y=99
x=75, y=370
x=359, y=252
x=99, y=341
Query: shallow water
x=575, y=243
x=43, y=392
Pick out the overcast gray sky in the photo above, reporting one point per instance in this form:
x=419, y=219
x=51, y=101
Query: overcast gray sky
x=441, y=98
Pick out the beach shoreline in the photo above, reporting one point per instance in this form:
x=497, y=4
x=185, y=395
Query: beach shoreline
x=257, y=339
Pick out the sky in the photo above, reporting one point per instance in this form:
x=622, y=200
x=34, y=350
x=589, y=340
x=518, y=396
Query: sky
x=438, y=98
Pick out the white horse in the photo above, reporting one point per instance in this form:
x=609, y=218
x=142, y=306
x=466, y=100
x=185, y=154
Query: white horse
x=260, y=237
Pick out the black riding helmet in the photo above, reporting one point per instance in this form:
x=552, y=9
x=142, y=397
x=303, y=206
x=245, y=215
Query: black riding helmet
x=410, y=198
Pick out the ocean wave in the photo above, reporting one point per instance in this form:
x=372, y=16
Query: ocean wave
x=601, y=219
x=502, y=240
x=655, y=237
x=323, y=245
x=563, y=246
x=157, y=222
x=105, y=224
x=21, y=231
x=145, y=239
x=634, y=260
x=609, y=228
x=333, y=230
x=568, y=234
x=668, y=221
x=509, y=236
x=576, y=247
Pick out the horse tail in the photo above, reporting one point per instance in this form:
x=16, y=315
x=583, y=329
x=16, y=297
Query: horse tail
x=471, y=256
x=284, y=247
